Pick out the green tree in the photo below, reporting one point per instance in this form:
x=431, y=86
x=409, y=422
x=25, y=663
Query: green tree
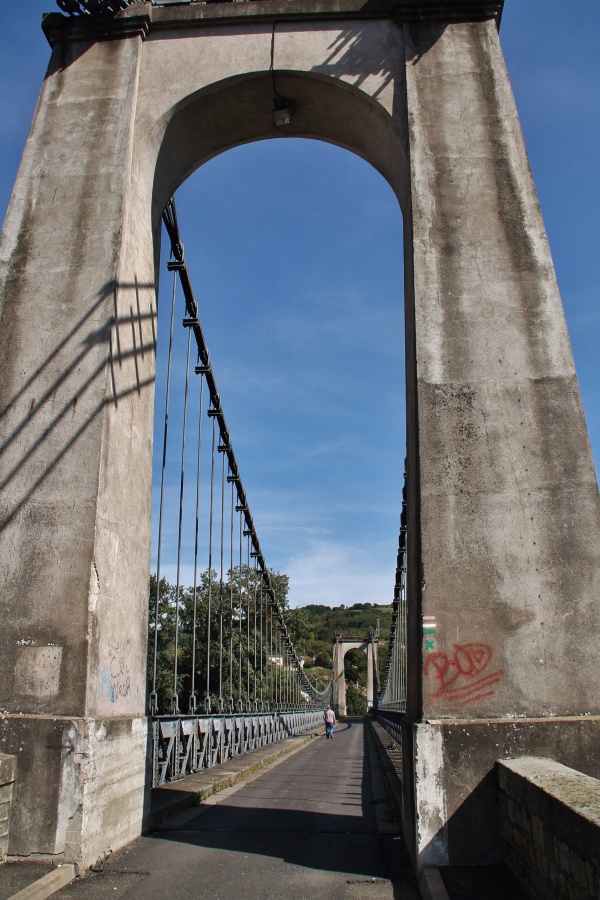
x=162, y=625
x=355, y=667
x=356, y=701
x=298, y=625
x=323, y=659
x=220, y=650
x=225, y=638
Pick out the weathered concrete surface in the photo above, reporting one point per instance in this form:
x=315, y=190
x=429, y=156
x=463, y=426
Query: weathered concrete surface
x=77, y=358
x=509, y=500
x=432, y=885
x=550, y=822
x=504, y=544
x=340, y=648
x=503, y=505
x=492, y=881
x=457, y=783
x=8, y=771
x=80, y=788
x=16, y=876
x=48, y=884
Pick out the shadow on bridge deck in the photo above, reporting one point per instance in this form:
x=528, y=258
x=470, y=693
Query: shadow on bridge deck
x=313, y=816
x=175, y=796
x=318, y=823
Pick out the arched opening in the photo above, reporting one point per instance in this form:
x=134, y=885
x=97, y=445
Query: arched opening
x=298, y=279
x=355, y=673
x=238, y=111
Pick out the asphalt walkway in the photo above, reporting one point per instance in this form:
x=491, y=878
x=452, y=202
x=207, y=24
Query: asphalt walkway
x=317, y=824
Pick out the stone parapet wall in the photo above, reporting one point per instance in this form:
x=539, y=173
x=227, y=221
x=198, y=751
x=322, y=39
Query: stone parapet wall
x=7, y=778
x=550, y=824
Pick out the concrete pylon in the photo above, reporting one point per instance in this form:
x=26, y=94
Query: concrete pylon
x=503, y=507
x=503, y=512
x=340, y=647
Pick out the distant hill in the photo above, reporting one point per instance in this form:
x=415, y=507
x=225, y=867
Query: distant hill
x=313, y=626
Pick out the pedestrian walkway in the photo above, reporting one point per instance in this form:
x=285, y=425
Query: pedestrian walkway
x=317, y=825
x=176, y=796
x=16, y=876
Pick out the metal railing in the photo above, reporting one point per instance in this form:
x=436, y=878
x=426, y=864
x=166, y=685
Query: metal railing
x=182, y=745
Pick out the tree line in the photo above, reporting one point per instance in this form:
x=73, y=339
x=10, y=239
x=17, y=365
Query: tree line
x=218, y=650
x=217, y=645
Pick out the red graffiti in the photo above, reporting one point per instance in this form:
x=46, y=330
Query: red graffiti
x=463, y=678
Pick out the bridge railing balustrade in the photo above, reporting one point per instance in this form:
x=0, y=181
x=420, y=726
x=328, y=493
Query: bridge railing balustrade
x=183, y=745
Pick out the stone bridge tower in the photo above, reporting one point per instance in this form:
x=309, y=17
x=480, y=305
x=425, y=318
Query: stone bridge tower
x=341, y=646
x=503, y=520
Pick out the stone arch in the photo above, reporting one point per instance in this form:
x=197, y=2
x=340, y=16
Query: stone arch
x=340, y=648
x=191, y=106
x=326, y=109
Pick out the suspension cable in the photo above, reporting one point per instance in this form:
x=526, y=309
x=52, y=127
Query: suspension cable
x=154, y=695
x=240, y=617
x=230, y=703
x=192, y=705
x=178, y=265
x=392, y=692
x=221, y=582
x=248, y=706
x=175, y=695
x=207, y=700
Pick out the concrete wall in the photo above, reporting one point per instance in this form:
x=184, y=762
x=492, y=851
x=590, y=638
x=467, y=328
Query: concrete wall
x=456, y=778
x=77, y=356
x=504, y=542
x=550, y=823
x=7, y=777
x=503, y=444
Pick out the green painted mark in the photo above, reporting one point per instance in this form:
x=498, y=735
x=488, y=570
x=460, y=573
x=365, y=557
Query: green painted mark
x=429, y=644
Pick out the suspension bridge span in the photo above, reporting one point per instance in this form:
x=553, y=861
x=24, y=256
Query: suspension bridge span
x=225, y=678
x=495, y=595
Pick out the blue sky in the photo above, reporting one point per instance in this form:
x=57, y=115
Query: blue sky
x=294, y=248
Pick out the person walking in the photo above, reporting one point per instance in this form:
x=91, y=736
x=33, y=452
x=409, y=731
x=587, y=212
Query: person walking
x=329, y=717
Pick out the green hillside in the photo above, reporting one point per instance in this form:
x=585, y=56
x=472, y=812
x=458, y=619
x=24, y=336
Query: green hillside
x=312, y=629
x=313, y=626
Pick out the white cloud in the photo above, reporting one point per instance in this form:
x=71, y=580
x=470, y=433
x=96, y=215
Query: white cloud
x=331, y=573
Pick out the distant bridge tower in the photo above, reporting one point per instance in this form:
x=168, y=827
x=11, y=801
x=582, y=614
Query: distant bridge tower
x=341, y=645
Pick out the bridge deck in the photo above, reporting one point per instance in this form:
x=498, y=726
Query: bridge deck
x=317, y=824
